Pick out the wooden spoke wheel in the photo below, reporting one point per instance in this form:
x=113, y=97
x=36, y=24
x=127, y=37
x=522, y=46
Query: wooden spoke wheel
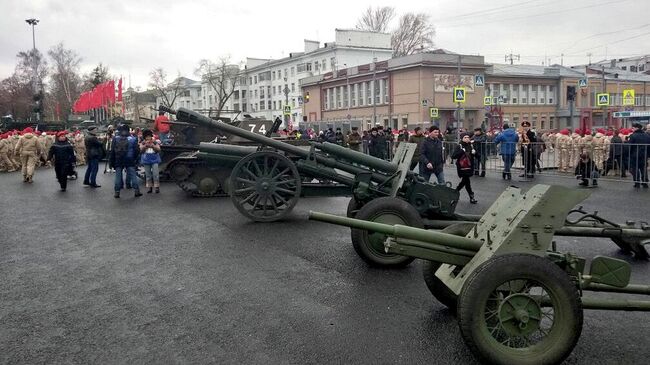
x=265, y=186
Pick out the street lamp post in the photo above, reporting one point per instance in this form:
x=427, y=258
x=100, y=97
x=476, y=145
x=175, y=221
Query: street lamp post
x=35, y=84
x=374, y=104
x=286, y=102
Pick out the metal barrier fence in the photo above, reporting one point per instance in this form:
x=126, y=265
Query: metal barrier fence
x=614, y=161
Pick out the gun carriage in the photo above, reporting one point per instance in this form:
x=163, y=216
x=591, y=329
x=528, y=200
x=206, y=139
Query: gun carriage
x=518, y=300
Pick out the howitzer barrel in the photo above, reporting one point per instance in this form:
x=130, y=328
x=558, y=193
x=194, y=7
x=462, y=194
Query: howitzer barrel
x=401, y=231
x=196, y=118
x=227, y=149
x=358, y=157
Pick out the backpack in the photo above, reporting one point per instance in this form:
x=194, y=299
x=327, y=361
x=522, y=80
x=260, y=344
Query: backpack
x=464, y=163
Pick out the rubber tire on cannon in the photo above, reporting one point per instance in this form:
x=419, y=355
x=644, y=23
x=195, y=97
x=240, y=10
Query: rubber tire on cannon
x=439, y=290
x=510, y=293
x=370, y=245
x=265, y=186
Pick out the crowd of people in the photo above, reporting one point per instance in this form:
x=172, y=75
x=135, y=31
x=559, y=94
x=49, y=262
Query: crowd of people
x=126, y=150
x=588, y=154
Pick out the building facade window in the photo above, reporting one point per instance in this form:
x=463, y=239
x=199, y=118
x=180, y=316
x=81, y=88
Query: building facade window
x=361, y=88
x=368, y=92
x=345, y=96
x=353, y=94
x=293, y=87
x=275, y=105
x=386, y=93
x=339, y=102
x=269, y=105
x=377, y=92
x=327, y=99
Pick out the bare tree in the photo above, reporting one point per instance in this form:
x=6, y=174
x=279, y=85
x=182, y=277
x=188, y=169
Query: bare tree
x=65, y=81
x=377, y=19
x=167, y=92
x=222, y=76
x=414, y=34
x=16, y=97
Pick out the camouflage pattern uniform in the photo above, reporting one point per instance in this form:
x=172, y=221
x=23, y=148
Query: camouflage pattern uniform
x=563, y=143
x=29, y=149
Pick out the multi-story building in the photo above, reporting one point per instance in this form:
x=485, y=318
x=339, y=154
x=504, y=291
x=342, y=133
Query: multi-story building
x=402, y=91
x=139, y=105
x=266, y=86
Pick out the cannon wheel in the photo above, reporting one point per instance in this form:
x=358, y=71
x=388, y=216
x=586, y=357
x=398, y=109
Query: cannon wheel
x=370, y=245
x=520, y=309
x=265, y=186
x=439, y=290
x=353, y=208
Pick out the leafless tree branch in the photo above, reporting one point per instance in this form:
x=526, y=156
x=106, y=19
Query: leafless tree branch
x=413, y=34
x=377, y=19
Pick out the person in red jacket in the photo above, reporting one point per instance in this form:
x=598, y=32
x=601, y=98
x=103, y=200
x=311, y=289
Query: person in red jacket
x=161, y=125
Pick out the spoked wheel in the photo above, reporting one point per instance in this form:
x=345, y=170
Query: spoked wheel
x=265, y=186
x=439, y=290
x=520, y=309
x=370, y=245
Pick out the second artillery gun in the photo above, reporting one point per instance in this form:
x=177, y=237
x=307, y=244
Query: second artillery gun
x=518, y=300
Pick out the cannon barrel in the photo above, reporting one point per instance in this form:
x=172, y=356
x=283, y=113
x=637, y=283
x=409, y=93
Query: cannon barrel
x=400, y=231
x=227, y=149
x=358, y=157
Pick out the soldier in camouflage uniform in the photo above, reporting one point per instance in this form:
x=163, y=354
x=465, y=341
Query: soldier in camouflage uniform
x=563, y=144
x=5, y=163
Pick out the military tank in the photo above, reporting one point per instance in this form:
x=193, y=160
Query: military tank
x=188, y=164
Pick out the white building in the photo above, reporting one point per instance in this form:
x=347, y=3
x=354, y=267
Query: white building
x=640, y=64
x=266, y=86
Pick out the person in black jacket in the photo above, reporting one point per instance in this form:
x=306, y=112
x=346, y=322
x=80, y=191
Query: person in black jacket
x=639, y=143
x=63, y=154
x=528, y=156
x=94, y=153
x=432, y=158
x=585, y=170
x=479, y=141
x=463, y=154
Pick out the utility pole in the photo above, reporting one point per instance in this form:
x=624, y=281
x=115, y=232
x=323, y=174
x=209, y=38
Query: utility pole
x=35, y=84
x=458, y=104
x=374, y=104
x=286, y=103
x=511, y=57
x=604, y=91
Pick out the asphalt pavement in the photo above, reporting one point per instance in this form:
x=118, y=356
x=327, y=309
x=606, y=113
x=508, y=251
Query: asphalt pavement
x=89, y=279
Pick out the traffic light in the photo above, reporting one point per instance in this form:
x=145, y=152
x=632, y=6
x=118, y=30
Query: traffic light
x=570, y=93
x=306, y=98
x=38, y=102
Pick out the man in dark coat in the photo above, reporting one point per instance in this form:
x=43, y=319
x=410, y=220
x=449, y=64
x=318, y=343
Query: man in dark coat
x=63, y=154
x=417, y=138
x=94, y=153
x=432, y=159
x=124, y=155
x=479, y=141
x=528, y=156
x=639, y=143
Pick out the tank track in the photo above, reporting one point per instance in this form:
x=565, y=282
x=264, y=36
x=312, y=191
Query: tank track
x=201, y=180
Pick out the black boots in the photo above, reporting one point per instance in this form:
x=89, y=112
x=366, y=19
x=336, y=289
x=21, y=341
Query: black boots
x=584, y=182
x=150, y=190
x=157, y=190
x=137, y=193
x=472, y=200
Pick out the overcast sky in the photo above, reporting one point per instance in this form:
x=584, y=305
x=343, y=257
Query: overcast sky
x=134, y=36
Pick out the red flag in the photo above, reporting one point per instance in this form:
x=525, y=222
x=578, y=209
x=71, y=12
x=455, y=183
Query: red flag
x=110, y=91
x=119, y=90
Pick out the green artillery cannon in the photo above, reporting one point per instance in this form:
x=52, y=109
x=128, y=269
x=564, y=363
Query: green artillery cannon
x=266, y=182
x=518, y=300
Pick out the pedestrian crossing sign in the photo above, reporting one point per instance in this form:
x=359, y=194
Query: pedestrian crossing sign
x=582, y=83
x=459, y=95
x=287, y=110
x=602, y=99
x=487, y=100
x=433, y=112
x=479, y=80
x=628, y=97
